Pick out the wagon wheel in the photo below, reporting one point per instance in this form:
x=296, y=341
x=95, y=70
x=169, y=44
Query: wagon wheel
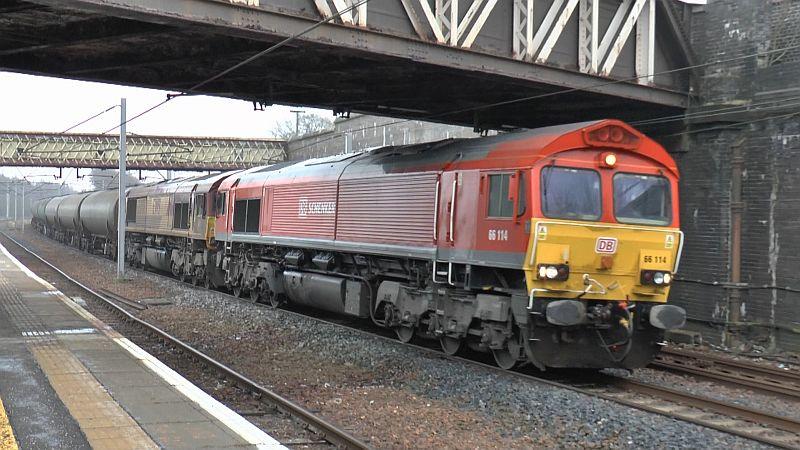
x=175, y=270
x=238, y=291
x=255, y=293
x=276, y=300
x=183, y=277
x=450, y=345
x=405, y=333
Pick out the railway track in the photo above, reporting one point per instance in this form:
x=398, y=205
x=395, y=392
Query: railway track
x=327, y=431
x=743, y=373
x=727, y=417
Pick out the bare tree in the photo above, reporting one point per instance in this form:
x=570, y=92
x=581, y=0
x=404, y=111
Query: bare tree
x=107, y=179
x=304, y=124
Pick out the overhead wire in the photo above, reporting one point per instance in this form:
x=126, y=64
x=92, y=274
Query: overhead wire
x=433, y=116
x=735, y=125
x=244, y=62
x=561, y=92
x=745, y=108
x=213, y=78
x=72, y=127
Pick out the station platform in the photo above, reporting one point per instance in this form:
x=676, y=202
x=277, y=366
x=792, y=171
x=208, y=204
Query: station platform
x=69, y=381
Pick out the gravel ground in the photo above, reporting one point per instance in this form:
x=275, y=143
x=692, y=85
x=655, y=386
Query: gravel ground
x=391, y=395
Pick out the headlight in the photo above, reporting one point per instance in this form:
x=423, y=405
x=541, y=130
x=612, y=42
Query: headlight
x=658, y=278
x=542, y=271
x=553, y=272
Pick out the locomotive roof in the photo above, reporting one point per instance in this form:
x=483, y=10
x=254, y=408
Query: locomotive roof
x=517, y=149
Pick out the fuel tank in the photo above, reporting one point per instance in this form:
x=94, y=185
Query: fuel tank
x=98, y=213
x=327, y=293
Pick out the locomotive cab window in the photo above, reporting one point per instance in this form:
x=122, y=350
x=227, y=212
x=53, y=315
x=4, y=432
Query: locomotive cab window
x=500, y=205
x=180, y=216
x=569, y=193
x=130, y=214
x=220, y=207
x=246, y=214
x=200, y=205
x=642, y=199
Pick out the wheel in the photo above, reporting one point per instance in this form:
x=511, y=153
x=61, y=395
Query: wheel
x=183, y=277
x=238, y=291
x=504, y=359
x=405, y=333
x=450, y=345
x=175, y=270
x=275, y=300
x=255, y=295
x=196, y=280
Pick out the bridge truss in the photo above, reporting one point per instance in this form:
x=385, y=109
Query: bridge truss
x=144, y=152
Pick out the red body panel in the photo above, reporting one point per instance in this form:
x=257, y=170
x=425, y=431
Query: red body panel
x=392, y=209
x=303, y=210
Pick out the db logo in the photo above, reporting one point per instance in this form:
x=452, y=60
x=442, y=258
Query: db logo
x=606, y=245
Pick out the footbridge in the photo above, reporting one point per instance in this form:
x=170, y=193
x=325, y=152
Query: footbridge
x=144, y=152
x=479, y=63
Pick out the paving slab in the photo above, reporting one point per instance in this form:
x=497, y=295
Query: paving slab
x=69, y=381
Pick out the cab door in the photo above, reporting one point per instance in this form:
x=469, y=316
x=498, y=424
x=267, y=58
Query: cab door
x=455, y=236
x=198, y=219
x=500, y=215
x=457, y=200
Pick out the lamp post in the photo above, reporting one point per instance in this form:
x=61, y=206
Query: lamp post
x=23, y=206
x=122, y=206
x=297, y=113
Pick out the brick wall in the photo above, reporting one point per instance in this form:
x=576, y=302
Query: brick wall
x=770, y=138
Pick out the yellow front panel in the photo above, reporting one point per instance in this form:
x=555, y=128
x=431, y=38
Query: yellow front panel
x=611, y=254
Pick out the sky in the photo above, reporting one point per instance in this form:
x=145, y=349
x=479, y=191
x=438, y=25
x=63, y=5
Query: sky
x=35, y=103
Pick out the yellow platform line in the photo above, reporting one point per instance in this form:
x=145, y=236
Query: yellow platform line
x=7, y=441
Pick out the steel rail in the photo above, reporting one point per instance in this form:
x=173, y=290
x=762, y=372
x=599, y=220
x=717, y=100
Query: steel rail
x=327, y=430
x=120, y=299
x=745, y=422
x=746, y=365
x=759, y=377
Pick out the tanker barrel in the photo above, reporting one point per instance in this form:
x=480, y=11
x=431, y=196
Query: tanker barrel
x=68, y=211
x=98, y=214
x=51, y=211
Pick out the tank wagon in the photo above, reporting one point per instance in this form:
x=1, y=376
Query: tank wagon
x=38, y=215
x=553, y=247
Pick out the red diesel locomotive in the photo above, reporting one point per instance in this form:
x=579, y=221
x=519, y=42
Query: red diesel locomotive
x=554, y=246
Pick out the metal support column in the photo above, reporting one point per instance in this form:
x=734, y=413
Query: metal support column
x=122, y=205
x=16, y=194
x=732, y=327
x=23, y=205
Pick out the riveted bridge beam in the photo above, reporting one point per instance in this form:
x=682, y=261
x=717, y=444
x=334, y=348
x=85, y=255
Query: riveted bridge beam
x=487, y=64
